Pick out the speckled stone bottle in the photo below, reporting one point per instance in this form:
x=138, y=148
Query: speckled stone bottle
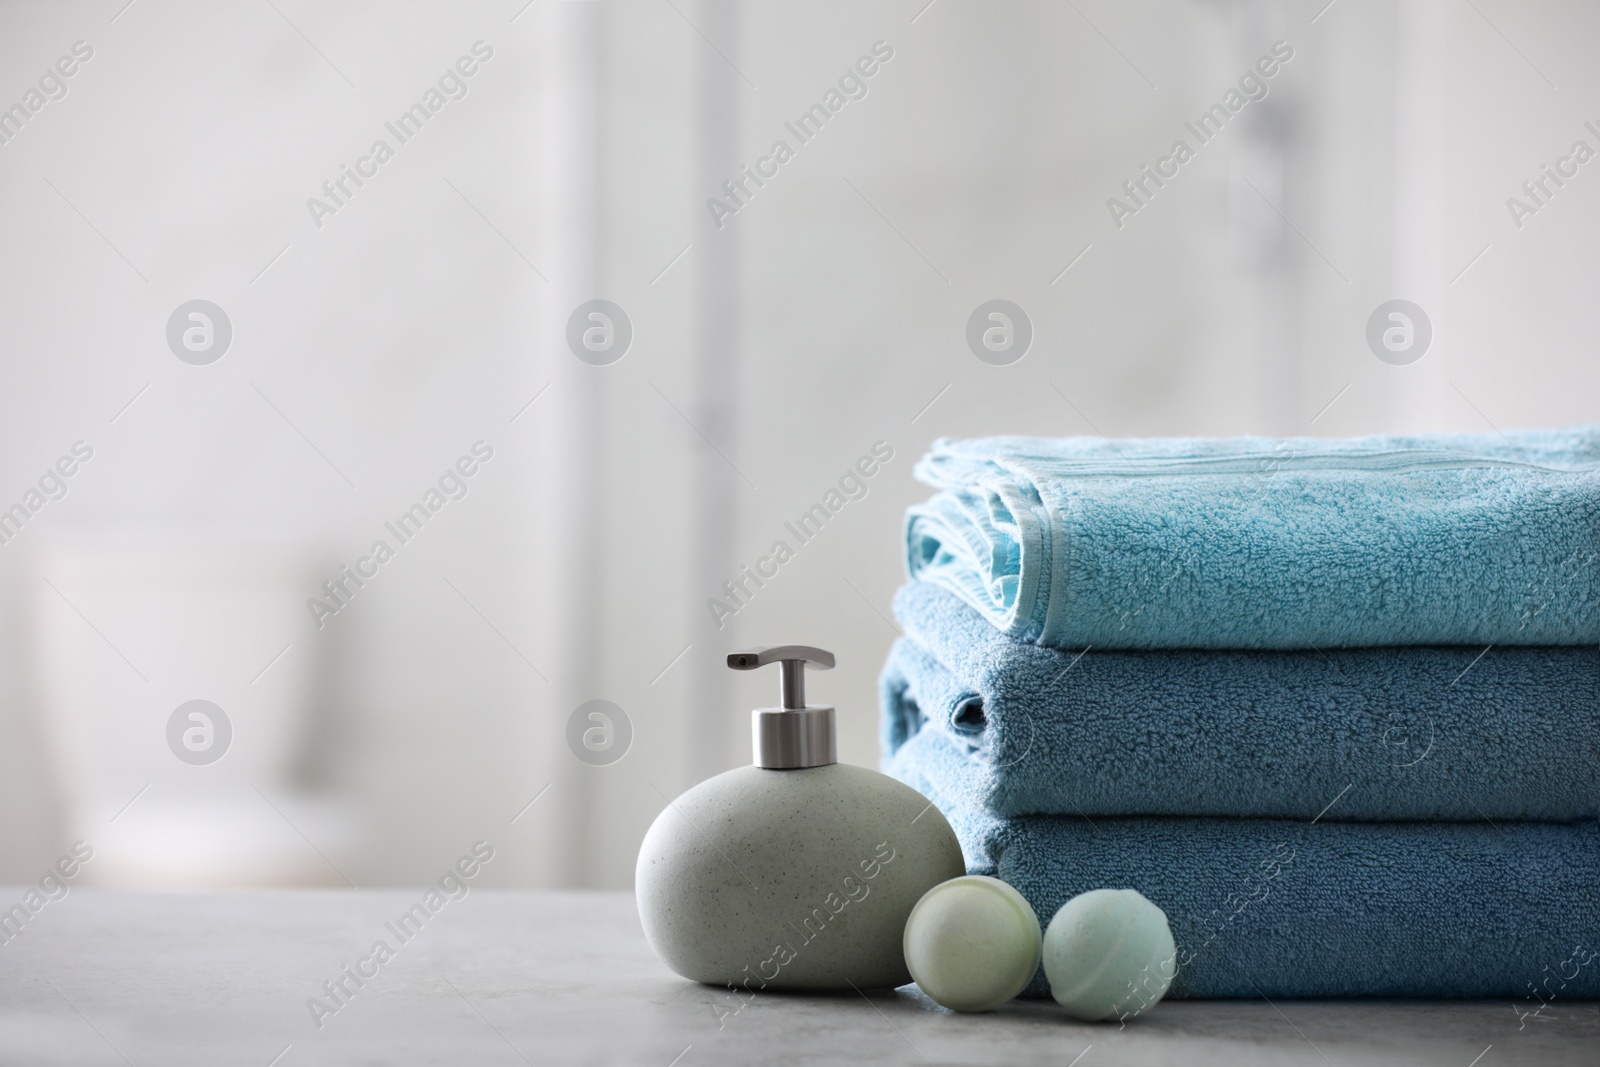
x=798, y=872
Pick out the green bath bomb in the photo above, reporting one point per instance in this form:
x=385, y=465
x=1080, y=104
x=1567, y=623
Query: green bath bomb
x=1109, y=954
x=972, y=943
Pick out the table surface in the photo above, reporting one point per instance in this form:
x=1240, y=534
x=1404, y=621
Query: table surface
x=499, y=977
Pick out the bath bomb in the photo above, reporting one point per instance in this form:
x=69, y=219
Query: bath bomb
x=1109, y=954
x=972, y=943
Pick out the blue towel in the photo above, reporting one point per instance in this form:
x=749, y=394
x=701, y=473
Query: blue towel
x=1381, y=733
x=1253, y=543
x=1280, y=908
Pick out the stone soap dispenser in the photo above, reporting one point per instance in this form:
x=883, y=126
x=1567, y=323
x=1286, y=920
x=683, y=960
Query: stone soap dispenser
x=798, y=872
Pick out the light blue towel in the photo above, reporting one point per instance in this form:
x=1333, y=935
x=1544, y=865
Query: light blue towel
x=1254, y=543
x=1443, y=732
x=1280, y=908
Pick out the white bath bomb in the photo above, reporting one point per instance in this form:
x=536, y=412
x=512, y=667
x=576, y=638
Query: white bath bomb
x=1109, y=953
x=972, y=943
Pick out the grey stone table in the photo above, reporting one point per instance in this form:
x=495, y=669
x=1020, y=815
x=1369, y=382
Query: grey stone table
x=171, y=979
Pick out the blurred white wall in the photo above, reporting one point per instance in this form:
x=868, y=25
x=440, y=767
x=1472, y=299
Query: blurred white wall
x=369, y=353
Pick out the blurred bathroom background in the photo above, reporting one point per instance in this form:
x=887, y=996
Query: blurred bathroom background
x=376, y=340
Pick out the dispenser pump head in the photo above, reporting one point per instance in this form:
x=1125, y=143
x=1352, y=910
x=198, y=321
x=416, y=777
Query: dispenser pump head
x=794, y=735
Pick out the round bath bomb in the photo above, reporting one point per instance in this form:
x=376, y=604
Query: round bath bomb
x=1109, y=953
x=972, y=943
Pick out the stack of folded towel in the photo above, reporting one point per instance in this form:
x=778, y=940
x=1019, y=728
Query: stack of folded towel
x=1333, y=705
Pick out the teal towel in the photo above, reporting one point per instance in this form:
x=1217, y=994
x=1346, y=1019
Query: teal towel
x=1254, y=543
x=1443, y=732
x=1281, y=908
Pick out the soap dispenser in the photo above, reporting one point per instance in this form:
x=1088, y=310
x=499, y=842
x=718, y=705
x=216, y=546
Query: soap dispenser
x=798, y=872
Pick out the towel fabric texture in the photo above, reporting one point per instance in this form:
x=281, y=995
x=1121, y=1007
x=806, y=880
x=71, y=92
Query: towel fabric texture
x=1252, y=543
x=1333, y=706
x=1447, y=732
x=1281, y=908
